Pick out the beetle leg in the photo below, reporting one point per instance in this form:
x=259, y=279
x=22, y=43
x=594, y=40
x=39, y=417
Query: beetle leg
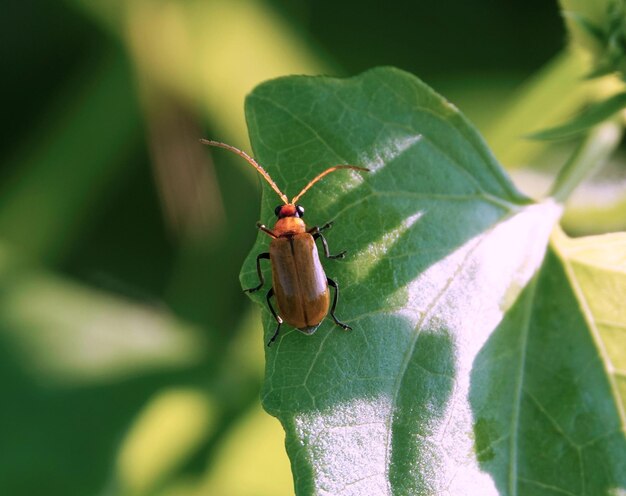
x=316, y=232
x=261, y=256
x=267, y=231
x=332, y=308
x=270, y=293
x=316, y=229
x=325, y=245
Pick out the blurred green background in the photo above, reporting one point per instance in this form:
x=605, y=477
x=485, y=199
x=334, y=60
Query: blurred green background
x=130, y=360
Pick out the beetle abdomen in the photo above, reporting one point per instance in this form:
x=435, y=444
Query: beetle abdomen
x=299, y=281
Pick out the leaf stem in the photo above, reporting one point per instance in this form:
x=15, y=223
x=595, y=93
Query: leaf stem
x=588, y=158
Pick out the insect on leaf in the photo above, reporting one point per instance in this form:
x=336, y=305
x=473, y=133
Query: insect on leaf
x=443, y=386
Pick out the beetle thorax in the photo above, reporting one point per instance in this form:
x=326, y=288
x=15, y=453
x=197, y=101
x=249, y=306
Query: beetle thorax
x=288, y=226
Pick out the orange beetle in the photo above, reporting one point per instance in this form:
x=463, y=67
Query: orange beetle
x=298, y=279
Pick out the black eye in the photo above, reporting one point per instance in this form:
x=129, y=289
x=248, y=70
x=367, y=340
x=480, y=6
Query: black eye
x=277, y=210
x=300, y=210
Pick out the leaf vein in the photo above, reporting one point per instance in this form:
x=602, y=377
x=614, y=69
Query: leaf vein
x=557, y=427
x=547, y=486
x=411, y=348
x=298, y=119
x=595, y=333
x=482, y=151
x=513, y=477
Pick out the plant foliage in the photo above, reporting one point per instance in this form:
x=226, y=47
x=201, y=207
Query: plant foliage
x=485, y=358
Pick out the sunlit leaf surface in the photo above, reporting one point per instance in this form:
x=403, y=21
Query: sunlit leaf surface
x=440, y=388
x=596, y=267
x=548, y=390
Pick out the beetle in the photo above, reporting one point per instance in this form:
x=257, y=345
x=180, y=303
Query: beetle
x=299, y=282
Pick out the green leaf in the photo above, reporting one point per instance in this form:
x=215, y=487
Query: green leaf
x=440, y=248
x=599, y=27
x=548, y=390
x=590, y=156
x=596, y=267
x=591, y=116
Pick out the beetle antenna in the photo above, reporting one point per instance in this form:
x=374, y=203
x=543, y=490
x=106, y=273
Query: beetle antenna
x=322, y=174
x=252, y=162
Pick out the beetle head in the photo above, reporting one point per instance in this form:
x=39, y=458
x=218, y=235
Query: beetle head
x=289, y=210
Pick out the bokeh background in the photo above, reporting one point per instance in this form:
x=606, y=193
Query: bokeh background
x=130, y=360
